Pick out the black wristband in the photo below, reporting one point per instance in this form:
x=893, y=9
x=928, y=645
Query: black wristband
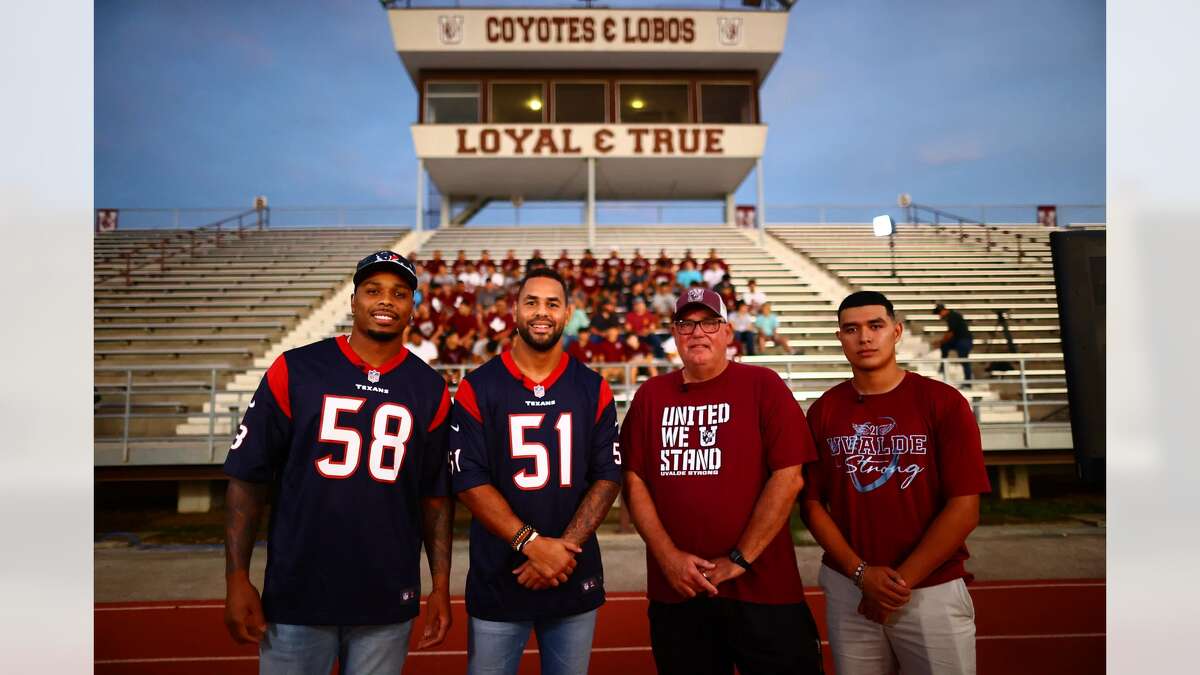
x=737, y=557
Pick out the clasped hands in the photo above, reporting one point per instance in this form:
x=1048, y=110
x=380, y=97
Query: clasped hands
x=884, y=591
x=550, y=562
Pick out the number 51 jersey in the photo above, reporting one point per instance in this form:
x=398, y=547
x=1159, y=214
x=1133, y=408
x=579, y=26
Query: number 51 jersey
x=351, y=449
x=541, y=445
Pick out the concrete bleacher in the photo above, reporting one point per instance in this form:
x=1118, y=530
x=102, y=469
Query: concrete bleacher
x=239, y=305
x=170, y=328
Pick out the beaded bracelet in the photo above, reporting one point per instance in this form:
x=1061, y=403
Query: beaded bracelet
x=521, y=547
x=859, y=572
x=520, y=537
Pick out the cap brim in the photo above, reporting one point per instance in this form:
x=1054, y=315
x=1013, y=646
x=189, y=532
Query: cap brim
x=386, y=266
x=689, y=305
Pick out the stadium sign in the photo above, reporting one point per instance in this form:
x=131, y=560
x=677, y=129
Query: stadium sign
x=558, y=29
x=543, y=140
x=588, y=140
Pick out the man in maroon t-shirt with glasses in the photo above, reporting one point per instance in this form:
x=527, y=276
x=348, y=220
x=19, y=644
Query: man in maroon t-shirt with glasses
x=713, y=466
x=891, y=499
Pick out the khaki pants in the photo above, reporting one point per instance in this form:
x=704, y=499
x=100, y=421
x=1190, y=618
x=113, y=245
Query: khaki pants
x=934, y=634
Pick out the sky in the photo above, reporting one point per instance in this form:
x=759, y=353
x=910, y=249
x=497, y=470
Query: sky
x=205, y=104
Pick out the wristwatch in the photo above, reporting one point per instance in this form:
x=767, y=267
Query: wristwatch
x=737, y=557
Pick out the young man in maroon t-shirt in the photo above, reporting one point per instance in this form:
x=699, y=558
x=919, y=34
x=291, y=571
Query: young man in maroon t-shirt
x=713, y=466
x=891, y=499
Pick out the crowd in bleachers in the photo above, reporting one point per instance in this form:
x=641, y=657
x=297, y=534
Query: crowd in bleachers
x=620, y=308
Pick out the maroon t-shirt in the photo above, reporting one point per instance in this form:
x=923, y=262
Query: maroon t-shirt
x=637, y=322
x=609, y=352
x=887, y=466
x=495, y=323
x=583, y=352
x=463, y=324
x=706, y=454
x=590, y=283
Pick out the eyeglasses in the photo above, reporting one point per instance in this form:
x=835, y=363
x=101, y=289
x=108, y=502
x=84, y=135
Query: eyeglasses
x=687, y=327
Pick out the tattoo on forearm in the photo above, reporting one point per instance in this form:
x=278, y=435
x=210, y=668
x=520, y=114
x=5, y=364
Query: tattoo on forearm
x=591, y=512
x=437, y=516
x=244, y=504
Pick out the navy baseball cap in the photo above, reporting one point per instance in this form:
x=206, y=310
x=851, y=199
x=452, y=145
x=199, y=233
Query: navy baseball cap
x=702, y=297
x=386, y=261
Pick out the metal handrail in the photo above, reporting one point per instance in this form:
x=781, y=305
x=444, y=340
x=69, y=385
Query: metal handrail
x=262, y=220
x=623, y=390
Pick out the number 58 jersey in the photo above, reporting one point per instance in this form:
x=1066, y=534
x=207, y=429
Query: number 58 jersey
x=351, y=450
x=541, y=445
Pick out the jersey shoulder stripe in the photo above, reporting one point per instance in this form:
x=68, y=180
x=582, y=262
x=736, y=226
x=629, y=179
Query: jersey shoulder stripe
x=443, y=409
x=465, y=398
x=277, y=380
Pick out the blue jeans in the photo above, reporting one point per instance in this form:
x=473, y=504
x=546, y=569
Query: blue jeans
x=961, y=347
x=288, y=649
x=565, y=644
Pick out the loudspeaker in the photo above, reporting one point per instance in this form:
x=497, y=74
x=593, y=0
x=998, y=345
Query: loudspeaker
x=1079, y=277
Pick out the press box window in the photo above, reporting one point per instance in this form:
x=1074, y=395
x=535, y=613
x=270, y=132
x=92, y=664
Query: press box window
x=452, y=103
x=579, y=103
x=518, y=103
x=654, y=103
x=726, y=104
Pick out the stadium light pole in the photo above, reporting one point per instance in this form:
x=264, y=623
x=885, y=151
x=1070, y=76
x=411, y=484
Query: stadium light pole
x=884, y=226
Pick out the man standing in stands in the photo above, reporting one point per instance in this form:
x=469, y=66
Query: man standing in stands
x=957, y=338
x=534, y=456
x=510, y=265
x=891, y=499
x=351, y=434
x=714, y=454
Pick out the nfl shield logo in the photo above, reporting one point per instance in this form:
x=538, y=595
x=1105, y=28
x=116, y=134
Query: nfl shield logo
x=372, y=376
x=539, y=391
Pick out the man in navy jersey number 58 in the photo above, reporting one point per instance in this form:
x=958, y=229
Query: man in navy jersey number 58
x=534, y=456
x=351, y=432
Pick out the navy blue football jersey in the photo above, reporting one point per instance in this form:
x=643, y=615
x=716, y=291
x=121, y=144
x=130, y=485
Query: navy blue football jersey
x=351, y=448
x=541, y=445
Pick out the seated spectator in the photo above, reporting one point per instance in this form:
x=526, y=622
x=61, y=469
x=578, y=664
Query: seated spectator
x=589, y=282
x=498, y=326
x=422, y=348
x=606, y=317
x=611, y=350
x=754, y=297
x=460, y=263
x=588, y=261
x=744, y=330
x=452, y=353
x=578, y=320
x=464, y=323
x=461, y=295
x=632, y=294
x=485, y=260
x=663, y=302
x=436, y=265
x=488, y=294
x=713, y=276
x=423, y=276
x=470, y=277
x=715, y=261
x=688, y=274
x=428, y=323
x=563, y=263
x=767, y=325
x=639, y=266
x=688, y=257
x=510, y=266
x=730, y=298
x=441, y=299
x=640, y=322
x=638, y=350
x=535, y=261
x=583, y=348
x=612, y=281
x=614, y=261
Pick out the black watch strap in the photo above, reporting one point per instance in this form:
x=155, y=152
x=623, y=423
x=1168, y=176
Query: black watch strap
x=737, y=557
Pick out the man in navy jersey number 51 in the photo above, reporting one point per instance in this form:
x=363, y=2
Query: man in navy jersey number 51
x=351, y=433
x=534, y=456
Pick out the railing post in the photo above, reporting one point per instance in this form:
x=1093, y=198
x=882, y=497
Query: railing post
x=125, y=417
x=212, y=416
x=1025, y=405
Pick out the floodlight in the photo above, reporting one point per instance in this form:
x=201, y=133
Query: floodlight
x=535, y=104
x=637, y=104
x=884, y=226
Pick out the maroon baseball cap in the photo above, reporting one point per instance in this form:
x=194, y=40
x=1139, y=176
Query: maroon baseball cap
x=702, y=297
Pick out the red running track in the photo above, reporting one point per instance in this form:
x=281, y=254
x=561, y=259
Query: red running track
x=1024, y=627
